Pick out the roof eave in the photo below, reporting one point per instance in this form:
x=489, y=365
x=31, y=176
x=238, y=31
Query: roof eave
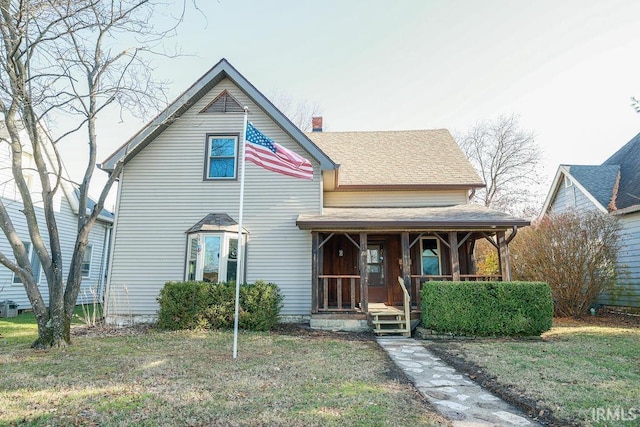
x=627, y=210
x=408, y=225
x=358, y=187
x=223, y=69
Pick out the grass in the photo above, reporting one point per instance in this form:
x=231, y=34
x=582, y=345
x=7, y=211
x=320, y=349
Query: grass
x=578, y=370
x=189, y=378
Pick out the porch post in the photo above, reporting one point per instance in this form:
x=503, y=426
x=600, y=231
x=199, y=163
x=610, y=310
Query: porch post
x=406, y=259
x=503, y=254
x=455, y=256
x=315, y=238
x=364, y=274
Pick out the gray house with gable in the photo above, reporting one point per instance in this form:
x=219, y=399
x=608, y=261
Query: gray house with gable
x=381, y=206
x=613, y=188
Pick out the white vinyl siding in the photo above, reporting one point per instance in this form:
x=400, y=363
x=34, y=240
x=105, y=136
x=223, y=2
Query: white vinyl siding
x=628, y=291
x=571, y=197
x=398, y=198
x=67, y=227
x=162, y=194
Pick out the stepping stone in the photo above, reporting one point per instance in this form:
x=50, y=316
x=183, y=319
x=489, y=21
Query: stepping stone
x=513, y=419
x=409, y=364
x=452, y=405
x=443, y=382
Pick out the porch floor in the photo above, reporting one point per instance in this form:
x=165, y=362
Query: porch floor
x=383, y=309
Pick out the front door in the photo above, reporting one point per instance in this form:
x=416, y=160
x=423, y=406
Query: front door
x=376, y=277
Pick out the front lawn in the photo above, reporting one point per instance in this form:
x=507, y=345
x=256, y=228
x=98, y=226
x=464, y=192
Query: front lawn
x=584, y=372
x=189, y=378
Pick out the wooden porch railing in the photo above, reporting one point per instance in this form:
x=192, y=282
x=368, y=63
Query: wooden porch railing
x=418, y=280
x=406, y=306
x=330, y=292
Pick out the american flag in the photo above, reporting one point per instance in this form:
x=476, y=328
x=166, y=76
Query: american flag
x=272, y=156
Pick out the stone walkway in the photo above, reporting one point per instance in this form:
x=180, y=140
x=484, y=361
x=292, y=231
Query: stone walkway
x=455, y=396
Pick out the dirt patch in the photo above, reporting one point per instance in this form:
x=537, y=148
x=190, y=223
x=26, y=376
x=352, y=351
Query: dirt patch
x=103, y=331
x=608, y=317
x=449, y=352
x=303, y=329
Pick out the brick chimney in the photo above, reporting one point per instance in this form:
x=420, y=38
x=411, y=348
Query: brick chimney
x=316, y=124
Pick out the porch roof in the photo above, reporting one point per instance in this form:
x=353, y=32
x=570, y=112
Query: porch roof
x=459, y=217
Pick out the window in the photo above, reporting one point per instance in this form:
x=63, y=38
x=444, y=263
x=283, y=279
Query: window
x=221, y=157
x=212, y=257
x=35, y=264
x=430, y=256
x=376, y=265
x=86, y=261
x=567, y=182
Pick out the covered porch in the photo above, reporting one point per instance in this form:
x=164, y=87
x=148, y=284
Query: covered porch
x=358, y=254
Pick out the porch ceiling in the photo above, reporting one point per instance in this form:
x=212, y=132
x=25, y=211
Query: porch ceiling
x=460, y=217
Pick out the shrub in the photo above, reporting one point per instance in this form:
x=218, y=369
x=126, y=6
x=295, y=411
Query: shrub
x=204, y=305
x=487, y=308
x=575, y=253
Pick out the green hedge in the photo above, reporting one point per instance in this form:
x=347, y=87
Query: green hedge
x=204, y=305
x=487, y=308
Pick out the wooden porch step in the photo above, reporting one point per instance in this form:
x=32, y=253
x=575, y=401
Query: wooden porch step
x=390, y=331
x=389, y=322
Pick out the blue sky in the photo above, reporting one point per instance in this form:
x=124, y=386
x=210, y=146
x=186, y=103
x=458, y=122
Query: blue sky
x=567, y=68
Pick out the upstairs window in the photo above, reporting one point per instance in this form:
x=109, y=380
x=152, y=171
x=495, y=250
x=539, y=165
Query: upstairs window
x=221, y=158
x=567, y=182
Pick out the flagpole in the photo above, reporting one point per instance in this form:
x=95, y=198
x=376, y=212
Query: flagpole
x=240, y=241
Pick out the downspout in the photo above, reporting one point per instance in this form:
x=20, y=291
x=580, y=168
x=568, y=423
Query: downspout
x=105, y=257
x=112, y=237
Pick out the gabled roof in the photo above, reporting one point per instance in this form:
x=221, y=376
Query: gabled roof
x=415, y=158
x=599, y=181
x=596, y=182
x=613, y=186
x=202, y=86
x=628, y=159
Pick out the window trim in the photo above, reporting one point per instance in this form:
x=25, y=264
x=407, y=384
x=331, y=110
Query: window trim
x=567, y=182
x=438, y=248
x=225, y=240
x=207, y=156
x=90, y=249
x=37, y=274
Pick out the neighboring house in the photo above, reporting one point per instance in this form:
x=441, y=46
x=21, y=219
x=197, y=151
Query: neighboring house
x=381, y=205
x=66, y=207
x=614, y=188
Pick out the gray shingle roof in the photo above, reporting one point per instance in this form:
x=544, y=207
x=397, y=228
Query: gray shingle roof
x=471, y=217
x=628, y=159
x=397, y=158
x=598, y=180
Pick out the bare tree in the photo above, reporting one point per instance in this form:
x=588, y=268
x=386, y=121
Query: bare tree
x=507, y=158
x=575, y=253
x=66, y=58
x=300, y=112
